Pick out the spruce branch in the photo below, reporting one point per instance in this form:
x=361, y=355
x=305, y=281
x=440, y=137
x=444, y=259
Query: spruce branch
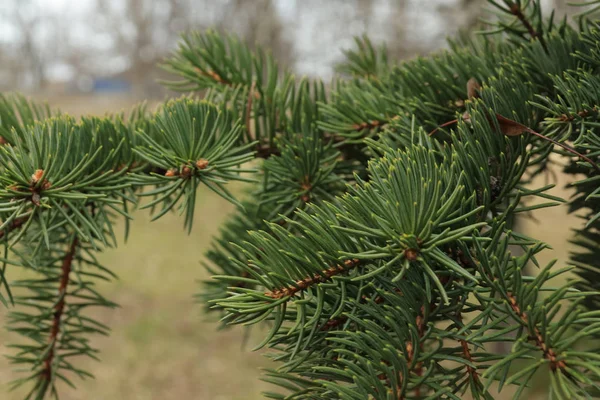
x=466, y=353
x=510, y=127
x=366, y=60
x=416, y=366
x=378, y=255
x=305, y=171
x=16, y=223
x=536, y=335
x=51, y=311
x=305, y=283
x=17, y=113
x=516, y=9
x=48, y=368
x=194, y=143
x=265, y=151
x=352, y=123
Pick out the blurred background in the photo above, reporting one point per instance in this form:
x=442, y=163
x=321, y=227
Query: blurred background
x=98, y=56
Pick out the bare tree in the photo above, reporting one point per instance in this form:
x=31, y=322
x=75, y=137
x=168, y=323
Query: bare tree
x=141, y=32
x=144, y=31
x=258, y=22
x=22, y=17
x=129, y=37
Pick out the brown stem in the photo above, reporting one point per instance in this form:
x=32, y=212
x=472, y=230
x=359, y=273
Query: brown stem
x=369, y=125
x=564, y=146
x=58, y=309
x=511, y=128
x=420, y=321
x=242, y=284
x=445, y=124
x=467, y=355
x=249, y=107
x=312, y=280
x=265, y=151
x=536, y=335
x=214, y=76
x=15, y=224
x=410, y=354
x=515, y=9
x=582, y=114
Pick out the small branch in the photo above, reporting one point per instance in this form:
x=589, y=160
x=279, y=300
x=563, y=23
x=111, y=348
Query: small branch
x=581, y=114
x=445, y=124
x=369, y=125
x=265, y=151
x=565, y=147
x=306, y=187
x=511, y=128
x=515, y=9
x=242, y=284
x=536, y=335
x=410, y=355
x=420, y=321
x=312, y=280
x=58, y=310
x=214, y=76
x=467, y=355
x=249, y=107
x=15, y=224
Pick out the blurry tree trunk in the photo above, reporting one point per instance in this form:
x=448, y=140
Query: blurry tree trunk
x=32, y=68
x=258, y=23
x=398, y=44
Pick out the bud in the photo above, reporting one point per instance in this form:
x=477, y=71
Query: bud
x=37, y=175
x=411, y=254
x=202, y=163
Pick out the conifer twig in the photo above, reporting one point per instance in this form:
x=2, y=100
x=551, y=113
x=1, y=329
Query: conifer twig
x=536, y=335
x=265, y=151
x=509, y=127
x=58, y=310
x=369, y=125
x=313, y=280
x=420, y=322
x=467, y=354
x=249, y=107
x=515, y=9
x=214, y=76
x=15, y=224
x=581, y=114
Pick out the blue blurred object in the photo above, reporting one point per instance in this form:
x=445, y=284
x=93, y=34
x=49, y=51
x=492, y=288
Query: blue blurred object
x=111, y=85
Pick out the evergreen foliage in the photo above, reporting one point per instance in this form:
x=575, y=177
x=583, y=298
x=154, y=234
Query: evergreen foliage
x=377, y=241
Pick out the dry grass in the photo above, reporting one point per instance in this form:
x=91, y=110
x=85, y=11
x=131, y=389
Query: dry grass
x=161, y=346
